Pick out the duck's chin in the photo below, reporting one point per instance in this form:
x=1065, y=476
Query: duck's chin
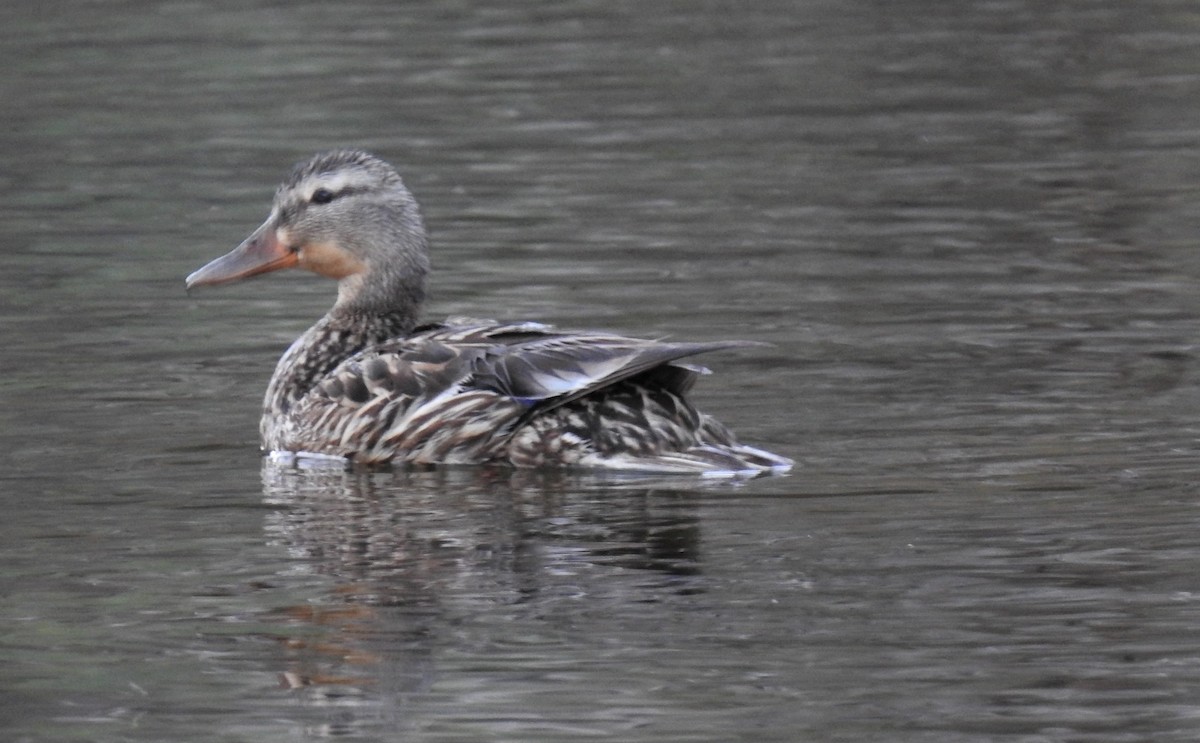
x=331, y=260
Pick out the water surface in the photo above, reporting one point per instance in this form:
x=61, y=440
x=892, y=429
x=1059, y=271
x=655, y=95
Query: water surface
x=968, y=232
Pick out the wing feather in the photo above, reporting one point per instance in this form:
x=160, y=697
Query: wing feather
x=457, y=391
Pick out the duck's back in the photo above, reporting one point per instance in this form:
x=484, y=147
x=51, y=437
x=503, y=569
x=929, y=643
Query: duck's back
x=526, y=394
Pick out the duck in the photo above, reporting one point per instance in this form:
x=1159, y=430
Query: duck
x=370, y=383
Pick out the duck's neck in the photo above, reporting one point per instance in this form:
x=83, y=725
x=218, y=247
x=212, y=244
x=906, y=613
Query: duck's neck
x=377, y=303
x=336, y=337
x=373, y=305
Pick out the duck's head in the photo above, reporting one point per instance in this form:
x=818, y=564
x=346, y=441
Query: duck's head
x=344, y=214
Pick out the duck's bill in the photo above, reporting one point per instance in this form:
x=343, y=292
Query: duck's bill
x=260, y=253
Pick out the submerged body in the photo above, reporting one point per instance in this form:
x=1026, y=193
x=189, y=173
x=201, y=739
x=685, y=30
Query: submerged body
x=367, y=384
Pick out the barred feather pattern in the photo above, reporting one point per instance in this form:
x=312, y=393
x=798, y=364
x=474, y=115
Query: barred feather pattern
x=470, y=392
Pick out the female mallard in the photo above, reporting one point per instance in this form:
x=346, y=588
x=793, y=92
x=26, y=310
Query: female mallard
x=367, y=383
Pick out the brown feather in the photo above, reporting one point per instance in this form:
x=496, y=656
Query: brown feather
x=366, y=383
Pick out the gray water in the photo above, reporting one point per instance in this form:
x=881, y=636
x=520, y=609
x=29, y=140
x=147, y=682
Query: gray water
x=968, y=230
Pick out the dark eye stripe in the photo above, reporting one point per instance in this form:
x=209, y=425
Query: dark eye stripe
x=325, y=195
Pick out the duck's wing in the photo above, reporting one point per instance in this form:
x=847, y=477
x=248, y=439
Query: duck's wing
x=616, y=403
x=559, y=369
x=541, y=366
x=454, y=392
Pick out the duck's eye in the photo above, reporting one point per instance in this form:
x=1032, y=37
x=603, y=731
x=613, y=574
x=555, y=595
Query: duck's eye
x=322, y=196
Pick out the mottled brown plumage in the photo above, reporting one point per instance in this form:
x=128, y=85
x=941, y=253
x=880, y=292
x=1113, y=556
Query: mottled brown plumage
x=366, y=384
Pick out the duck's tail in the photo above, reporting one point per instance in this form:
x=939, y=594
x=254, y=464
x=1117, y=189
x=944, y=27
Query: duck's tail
x=708, y=460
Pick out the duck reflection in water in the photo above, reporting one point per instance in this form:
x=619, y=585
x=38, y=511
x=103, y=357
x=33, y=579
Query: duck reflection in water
x=411, y=554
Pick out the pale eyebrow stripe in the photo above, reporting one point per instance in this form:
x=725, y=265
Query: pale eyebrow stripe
x=338, y=183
